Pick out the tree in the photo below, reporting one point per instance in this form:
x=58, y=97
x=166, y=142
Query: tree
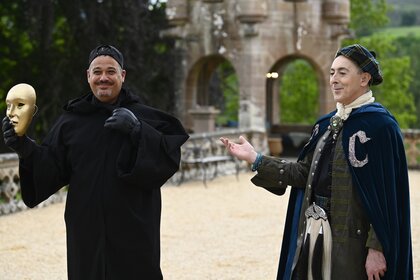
x=368, y=15
x=408, y=18
x=15, y=47
x=409, y=46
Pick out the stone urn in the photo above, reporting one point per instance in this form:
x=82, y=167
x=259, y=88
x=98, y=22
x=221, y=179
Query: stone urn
x=275, y=146
x=204, y=118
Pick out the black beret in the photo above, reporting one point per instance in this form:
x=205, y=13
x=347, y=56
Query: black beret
x=107, y=50
x=365, y=59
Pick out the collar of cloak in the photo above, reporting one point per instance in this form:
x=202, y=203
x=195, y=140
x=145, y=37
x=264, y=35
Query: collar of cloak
x=89, y=103
x=170, y=127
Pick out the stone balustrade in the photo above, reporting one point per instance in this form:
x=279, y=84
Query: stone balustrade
x=10, y=197
x=207, y=149
x=412, y=147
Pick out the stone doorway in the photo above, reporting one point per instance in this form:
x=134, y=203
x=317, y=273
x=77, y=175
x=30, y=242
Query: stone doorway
x=292, y=107
x=212, y=86
x=275, y=87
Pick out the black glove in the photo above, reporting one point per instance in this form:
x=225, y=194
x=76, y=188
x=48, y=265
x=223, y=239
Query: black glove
x=22, y=145
x=125, y=121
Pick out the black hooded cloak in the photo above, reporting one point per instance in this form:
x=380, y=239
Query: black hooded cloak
x=113, y=205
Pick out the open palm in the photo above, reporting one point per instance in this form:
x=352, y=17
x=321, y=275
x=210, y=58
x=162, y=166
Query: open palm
x=242, y=150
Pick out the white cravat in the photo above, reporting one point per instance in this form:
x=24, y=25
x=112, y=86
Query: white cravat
x=343, y=111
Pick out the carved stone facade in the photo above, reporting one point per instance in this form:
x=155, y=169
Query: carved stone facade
x=257, y=37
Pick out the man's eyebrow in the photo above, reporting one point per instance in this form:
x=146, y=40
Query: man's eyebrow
x=106, y=68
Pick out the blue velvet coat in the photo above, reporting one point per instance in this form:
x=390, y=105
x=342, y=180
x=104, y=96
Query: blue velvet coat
x=379, y=169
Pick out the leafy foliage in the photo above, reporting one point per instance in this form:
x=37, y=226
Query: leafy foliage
x=223, y=93
x=408, y=46
x=367, y=16
x=298, y=100
x=230, y=88
x=408, y=18
x=409, y=31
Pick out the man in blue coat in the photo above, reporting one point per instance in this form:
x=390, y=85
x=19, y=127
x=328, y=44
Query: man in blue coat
x=114, y=153
x=349, y=208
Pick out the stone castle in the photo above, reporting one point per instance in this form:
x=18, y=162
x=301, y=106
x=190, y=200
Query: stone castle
x=257, y=37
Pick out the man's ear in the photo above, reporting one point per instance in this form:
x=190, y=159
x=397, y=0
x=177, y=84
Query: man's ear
x=366, y=77
x=123, y=73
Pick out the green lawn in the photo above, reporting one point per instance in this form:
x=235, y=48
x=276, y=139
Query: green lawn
x=401, y=31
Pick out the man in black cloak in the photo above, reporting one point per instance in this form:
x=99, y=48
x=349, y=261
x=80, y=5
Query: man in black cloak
x=114, y=153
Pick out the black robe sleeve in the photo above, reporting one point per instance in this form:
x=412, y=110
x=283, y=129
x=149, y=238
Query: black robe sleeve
x=157, y=155
x=44, y=172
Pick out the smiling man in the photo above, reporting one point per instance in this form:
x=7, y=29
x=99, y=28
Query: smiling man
x=106, y=74
x=114, y=153
x=349, y=208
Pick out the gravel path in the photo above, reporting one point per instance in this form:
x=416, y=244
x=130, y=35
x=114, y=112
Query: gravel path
x=230, y=230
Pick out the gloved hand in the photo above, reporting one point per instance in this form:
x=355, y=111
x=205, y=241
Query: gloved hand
x=22, y=145
x=125, y=121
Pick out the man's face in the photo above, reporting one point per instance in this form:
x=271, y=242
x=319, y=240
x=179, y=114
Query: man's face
x=20, y=101
x=105, y=78
x=347, y=81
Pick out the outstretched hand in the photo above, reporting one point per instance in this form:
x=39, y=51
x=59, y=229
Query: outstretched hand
x=242, y=150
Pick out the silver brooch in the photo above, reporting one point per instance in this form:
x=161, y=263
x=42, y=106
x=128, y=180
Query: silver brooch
x=336, y=123
x=316, y=212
